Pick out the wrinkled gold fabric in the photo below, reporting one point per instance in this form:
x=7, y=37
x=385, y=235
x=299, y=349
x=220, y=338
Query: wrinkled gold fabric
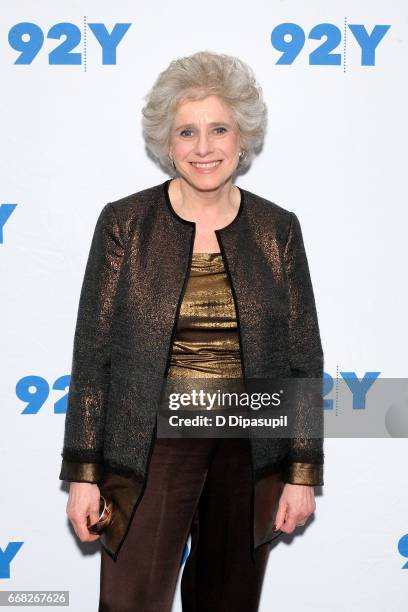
x=304, y=473
x=206, y=342
x=82, y=472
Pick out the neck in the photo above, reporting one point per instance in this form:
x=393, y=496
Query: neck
x=208, y=206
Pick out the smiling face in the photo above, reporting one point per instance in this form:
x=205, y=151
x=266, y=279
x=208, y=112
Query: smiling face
x=205, y=142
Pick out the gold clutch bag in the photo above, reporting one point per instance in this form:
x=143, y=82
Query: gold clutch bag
x=105, y=517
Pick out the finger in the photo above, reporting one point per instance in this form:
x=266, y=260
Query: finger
x=83, y=531
x=93, y=515
x=92, y=537
x=290, y=523
x=280, y=515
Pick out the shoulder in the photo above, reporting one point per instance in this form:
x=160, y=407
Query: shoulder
x=264, y=212
x=136, y=203
x=120, y=217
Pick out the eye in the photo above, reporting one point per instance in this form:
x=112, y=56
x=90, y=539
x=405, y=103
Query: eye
x=220, y=130
x=186, y=132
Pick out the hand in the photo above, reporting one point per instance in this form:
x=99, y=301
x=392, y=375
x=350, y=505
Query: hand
x=296, y=504
x=83, y=500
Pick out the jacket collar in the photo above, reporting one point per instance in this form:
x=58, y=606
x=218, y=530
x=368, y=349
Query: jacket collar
x=224, y=230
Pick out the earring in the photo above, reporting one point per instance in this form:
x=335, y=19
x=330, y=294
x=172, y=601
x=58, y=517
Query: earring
x=242, y=155
x=172, y=161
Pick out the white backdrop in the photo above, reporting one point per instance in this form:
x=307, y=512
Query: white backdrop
x=335, y=154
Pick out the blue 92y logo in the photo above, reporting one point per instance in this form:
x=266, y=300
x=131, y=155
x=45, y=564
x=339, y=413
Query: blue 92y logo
x=290, y=38
x=34, y=391
x=28, y=39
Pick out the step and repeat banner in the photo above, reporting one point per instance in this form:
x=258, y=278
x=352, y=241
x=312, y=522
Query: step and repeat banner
x=74, y=76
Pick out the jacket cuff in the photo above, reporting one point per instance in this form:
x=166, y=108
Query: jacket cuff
x=303, y=473
x=74, y=471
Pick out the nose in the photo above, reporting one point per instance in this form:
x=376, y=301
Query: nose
x=204, y=144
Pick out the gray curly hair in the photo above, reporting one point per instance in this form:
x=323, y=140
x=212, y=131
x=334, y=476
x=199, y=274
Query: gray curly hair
x=195, y=77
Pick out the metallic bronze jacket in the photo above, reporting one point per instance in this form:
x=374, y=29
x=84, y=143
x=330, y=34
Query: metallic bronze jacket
x=135, y=278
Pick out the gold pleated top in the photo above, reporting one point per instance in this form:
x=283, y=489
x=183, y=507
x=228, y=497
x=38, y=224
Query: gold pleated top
x=206, y=343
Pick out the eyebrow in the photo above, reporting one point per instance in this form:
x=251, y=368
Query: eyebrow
x=212, y=124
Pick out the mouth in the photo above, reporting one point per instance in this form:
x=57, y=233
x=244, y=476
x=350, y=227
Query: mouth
x=206, y=165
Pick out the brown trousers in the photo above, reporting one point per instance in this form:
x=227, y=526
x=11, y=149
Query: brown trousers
x=197, y=486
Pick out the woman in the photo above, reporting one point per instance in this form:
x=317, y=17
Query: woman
x=192, y=278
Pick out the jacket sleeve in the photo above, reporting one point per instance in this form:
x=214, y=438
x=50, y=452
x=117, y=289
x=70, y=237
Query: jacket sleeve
x=306, y=457
x=90, y=371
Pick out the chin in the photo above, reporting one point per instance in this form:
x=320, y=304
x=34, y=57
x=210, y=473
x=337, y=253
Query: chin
x=207, y=182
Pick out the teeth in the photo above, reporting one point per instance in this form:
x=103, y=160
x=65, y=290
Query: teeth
x=210, y=165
